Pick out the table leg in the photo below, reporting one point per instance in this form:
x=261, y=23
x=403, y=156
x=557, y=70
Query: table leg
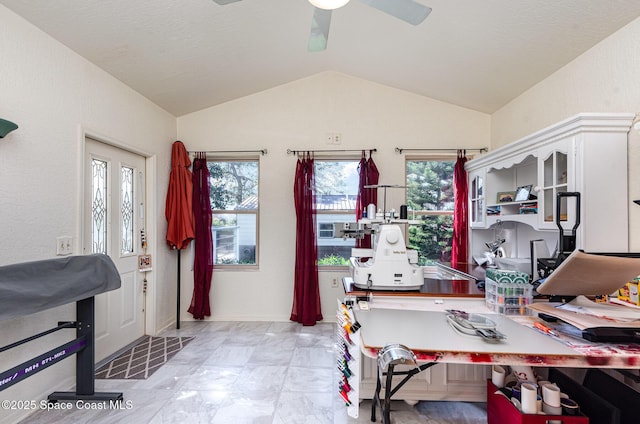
x=385, y=405
x=386, y=408
x=376, y=398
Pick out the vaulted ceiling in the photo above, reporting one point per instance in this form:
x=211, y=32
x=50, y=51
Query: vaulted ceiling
x=189, y=55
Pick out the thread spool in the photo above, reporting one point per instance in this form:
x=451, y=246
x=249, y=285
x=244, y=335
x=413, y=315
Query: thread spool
x=371, y=211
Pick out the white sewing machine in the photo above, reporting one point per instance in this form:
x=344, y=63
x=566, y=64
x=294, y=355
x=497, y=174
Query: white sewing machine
x=390, y=265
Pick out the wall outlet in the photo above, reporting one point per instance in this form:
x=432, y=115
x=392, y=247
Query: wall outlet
x=334, y=283
x=333, y=138
x=329, y=138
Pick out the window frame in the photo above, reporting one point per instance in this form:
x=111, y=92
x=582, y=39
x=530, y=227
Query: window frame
x=425, y=212
x=256, y=212
x=351, y=214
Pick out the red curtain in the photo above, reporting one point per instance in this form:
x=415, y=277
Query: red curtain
x=306, y=292
x=369, y=175
x=203, y=265
x=459, y=242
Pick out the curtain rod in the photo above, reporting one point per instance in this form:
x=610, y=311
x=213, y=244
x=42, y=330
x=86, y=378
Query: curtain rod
x=262, y=151
x=400, y=150
x=293, y=152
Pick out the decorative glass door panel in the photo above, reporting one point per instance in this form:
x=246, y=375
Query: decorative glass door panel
x=555, y=181
x=477, y=196
x=126, y=211
x=99, y=205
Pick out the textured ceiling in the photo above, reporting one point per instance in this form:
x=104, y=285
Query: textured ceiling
x=188, y=55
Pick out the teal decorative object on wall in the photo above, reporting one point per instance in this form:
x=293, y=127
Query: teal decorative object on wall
x=6, y=127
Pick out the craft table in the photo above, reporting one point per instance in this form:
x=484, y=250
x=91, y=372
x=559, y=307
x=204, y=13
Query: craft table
x=422, y=327
x=427, y=333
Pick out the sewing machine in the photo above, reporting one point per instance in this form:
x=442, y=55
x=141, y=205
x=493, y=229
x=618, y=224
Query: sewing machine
x=388, y=265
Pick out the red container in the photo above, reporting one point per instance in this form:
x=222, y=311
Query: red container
x=501, y=411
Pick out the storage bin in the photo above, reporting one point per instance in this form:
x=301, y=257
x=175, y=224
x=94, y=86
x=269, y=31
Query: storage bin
x=500, y=410
x=508, y=292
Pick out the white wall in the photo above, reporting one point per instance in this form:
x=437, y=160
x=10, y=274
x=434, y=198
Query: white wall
x=298, y=115
x=606, y=78
x=603, y=79
x=54, y=95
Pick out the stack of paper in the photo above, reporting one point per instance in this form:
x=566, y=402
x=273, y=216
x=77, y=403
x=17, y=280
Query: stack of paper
x=584, y=313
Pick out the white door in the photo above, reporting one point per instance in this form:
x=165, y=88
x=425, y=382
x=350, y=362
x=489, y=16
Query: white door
x=113, y=218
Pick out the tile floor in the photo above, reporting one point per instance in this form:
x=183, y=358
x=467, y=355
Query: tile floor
x=236, y=373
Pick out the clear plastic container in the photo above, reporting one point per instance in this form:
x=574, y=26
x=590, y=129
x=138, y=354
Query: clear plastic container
x=510, y=294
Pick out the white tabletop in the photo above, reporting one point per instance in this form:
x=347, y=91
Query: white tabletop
x=429, y=330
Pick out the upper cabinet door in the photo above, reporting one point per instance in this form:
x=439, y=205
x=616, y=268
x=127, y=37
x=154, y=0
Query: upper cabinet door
x=477, y=199
x=555, y=166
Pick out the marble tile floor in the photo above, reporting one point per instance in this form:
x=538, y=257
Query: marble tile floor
x=237, y=373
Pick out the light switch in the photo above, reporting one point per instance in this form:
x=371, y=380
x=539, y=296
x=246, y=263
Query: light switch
x=64, y=245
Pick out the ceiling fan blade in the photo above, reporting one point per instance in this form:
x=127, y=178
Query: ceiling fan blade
x=407, y=10
x=319, y=30
x=223, y=2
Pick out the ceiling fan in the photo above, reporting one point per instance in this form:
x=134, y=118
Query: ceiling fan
x=406, y=10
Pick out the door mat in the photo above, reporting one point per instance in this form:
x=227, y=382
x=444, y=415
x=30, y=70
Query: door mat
x=142, y=360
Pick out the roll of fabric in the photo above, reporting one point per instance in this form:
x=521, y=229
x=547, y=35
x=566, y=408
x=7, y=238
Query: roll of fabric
x=551, y=395
x=551, y=410
x=569, y=406
x=498, y=376
x=529, y=398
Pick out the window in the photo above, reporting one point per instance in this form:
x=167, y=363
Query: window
x=336, y=194
x=126, y=210
x=99, y=206
x=430, y=199
x=234, y=204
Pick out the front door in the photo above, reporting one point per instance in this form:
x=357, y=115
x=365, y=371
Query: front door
x=113, y=220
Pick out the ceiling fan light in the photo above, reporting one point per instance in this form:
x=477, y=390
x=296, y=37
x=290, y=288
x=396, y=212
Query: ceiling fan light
x=328, y=4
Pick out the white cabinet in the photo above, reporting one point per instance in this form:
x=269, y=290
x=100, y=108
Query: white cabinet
x=587, y=154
